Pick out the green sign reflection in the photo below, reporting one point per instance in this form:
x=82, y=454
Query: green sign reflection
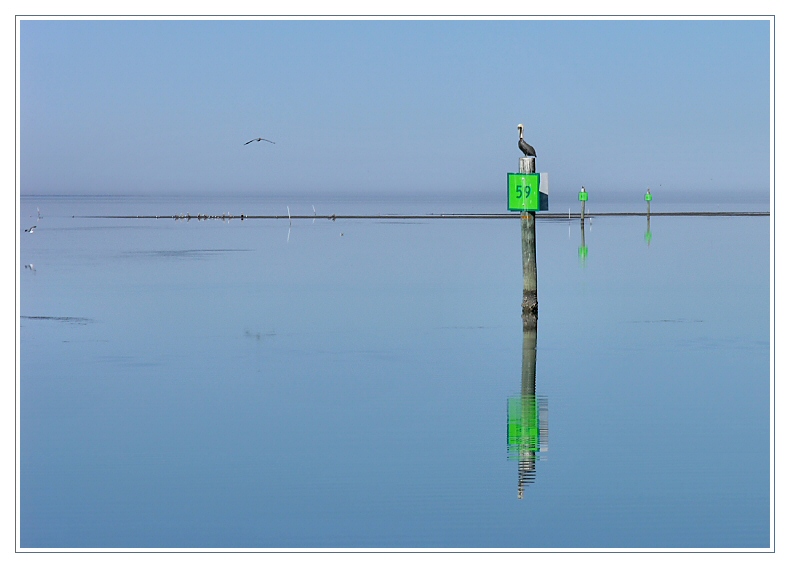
x=527, y=414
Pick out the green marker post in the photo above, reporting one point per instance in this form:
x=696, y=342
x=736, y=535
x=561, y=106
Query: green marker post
x=583, y=199
x=530, y=200
x=528, y=192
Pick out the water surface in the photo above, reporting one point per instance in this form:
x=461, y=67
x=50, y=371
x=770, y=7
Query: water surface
x=357, y=383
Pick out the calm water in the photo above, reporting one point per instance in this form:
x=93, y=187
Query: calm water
x=369, y=384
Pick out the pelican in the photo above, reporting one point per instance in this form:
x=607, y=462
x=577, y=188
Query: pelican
x=522, y=144
x=259, y=140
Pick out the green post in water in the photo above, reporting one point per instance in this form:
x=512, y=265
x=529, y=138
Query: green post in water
x=583, y=199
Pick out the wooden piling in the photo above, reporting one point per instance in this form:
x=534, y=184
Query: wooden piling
x=529, y=304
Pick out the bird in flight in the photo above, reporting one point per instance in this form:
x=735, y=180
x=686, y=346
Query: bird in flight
x=522, y=144
x=259, y=140
x=31, y=229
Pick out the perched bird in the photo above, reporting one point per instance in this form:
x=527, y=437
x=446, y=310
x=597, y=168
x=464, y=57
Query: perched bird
x=522, y=144
x=259, y=140
x=31, y=229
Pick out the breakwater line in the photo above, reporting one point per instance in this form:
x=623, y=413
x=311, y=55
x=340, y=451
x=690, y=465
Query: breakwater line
x=390, y=216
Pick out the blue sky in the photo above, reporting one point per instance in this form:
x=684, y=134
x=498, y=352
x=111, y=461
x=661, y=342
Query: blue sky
x=391, y=107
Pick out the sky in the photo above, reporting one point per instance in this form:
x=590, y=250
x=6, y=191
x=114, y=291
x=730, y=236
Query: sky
x=391, y=107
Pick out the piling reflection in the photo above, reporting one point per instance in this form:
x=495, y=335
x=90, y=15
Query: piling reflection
x=527, y=414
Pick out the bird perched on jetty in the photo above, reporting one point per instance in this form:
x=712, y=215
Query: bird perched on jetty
x=259, y=140
x=522, y=144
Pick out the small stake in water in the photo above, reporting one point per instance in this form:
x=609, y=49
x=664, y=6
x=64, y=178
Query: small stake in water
x=648, y=234
x=289, y=215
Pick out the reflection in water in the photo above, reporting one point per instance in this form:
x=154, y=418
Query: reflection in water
x=527, y=415
x=583, y=247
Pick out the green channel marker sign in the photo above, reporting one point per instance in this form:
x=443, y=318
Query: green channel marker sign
x=523, y=192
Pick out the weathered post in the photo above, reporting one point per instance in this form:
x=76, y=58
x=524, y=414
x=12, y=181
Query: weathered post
x=529, y=304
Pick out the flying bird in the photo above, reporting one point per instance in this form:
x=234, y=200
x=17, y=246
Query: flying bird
x=259, y=140
x=31, y=229
x=522, y=144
